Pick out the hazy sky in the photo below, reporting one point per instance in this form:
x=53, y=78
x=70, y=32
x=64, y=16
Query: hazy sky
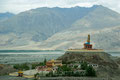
x=17, y=6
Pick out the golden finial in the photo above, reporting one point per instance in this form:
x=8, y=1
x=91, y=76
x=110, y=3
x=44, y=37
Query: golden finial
x=88, y=40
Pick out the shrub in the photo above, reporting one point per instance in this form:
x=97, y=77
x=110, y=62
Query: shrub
x=84, y=65
x=90, y=71
x=21, y=66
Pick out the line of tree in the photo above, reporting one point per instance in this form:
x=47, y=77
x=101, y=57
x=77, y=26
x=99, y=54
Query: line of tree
x=21, y=66
x=27, y=66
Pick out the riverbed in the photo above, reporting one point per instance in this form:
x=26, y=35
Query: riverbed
x=17, y=57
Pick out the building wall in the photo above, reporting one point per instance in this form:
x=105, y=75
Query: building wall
x=83, y=50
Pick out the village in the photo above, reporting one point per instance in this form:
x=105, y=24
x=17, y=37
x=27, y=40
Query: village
x=55, y=68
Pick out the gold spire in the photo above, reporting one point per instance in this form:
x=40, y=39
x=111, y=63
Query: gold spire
x=88, y=40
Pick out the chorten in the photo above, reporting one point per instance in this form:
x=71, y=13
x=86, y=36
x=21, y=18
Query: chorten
x=87, y=45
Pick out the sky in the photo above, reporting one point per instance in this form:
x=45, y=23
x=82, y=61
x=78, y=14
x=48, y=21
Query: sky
x=16, y=6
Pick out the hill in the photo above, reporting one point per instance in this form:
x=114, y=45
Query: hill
x=106, y=65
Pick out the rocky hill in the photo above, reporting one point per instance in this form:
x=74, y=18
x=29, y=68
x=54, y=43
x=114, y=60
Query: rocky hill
x=107, y=66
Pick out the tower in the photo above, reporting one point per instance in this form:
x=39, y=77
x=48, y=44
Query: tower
x=87, y=45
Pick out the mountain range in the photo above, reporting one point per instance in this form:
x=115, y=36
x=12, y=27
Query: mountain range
x=61, y=28
x=5, y=16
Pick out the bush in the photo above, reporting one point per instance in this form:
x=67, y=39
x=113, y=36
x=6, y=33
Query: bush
x=36, y=75
x=65, y=68
x=75, y=66
x=90, y=71
x=50, y=74
x=21, y=66
x=69, y=73
x=84, y=65
x=34, y=65
x=16, y=66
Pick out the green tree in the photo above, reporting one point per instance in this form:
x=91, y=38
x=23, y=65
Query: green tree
x=24, y=66
x=65, y=68
x=90, y=71
x=34, y=65
x=37, y=75
x=59, y=70
x=51, y=74
x=84, y=65
x=21, y=66
x=76, y=74
x=45, y=61
x=16, y=66
x=75, y=66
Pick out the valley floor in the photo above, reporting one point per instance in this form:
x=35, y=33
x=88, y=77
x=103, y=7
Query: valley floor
x=52, y=78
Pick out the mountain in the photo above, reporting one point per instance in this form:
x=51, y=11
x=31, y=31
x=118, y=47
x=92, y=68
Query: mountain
x=61, y=28
x=103, y=25
x=5, y=16
x=37, y=25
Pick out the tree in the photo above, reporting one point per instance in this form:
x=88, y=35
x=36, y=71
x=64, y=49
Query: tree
x=65, y=68
x=33, y=66
x=84, y=65
x=45, y=61
x=90, y=71
x=75, y=66
x=21, y=66
x=76, y=74
x=51, y=74
x=37, y=75
x=16, y=66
